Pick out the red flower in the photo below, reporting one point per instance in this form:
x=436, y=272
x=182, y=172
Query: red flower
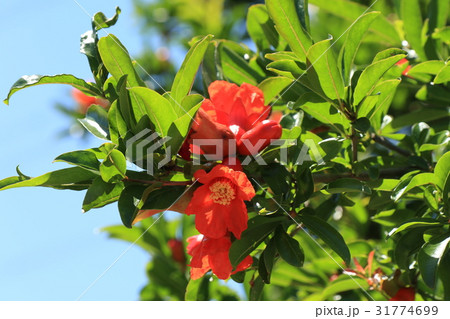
x=406, y=70
x=85, y=101
x=404, y=294
x=230, y=113
x=177, y=250
x=219, y=205
x=210, y=253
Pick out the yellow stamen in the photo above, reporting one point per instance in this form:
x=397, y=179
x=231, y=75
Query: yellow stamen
x=222, y=192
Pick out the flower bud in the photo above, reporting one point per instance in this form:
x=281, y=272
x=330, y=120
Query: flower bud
x=256, y=139
x=177, y=249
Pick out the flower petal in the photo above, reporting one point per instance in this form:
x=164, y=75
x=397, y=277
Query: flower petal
x=244, y=187
x=212, y=223
x=200, y=201
x=221, y=265
x=247, y=262
x=236, y=217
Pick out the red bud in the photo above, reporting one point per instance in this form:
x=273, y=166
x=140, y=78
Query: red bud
x=256, y=139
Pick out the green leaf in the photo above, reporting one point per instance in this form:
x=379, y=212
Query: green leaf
x=371, y=75
x=163, y=198
x=304, y=185
x=277, y=177
x=442, y=173
x=256, y=289
x=100, y=21
x=328, y=234
x=181, y=126
x=422, y=115
x=346, y=284
x=361, y=124
x=287, y=22
x=74, y=178
x=196, y=290
x=117, y=60
x=113, y=167
x=261, y=28
x=273, y=86
x=266, y=261
x=258, y=229
x=412, y=24
x=443, y=76
x=159, y=110
x=130, y=201
x=444, y=274
x=117, y=126
x=427, y=67
x=85, y=159
x=303, y=15
x=32, y=80
x=184, y=79
x=288, y=68
x=289, y=248
x=100, y=194
x=417, y=180
x=235, y=67
x=430, y=256
x=349, y=185
x=323, y=71
x=414, y=223
x=352, y=42
x=96, y=122
x=407, y=246
x=350, y=11
x=322, y=111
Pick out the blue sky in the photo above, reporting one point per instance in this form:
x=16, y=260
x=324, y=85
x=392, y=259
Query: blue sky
x=49, y=249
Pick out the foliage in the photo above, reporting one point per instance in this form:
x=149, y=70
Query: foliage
x=362, y=175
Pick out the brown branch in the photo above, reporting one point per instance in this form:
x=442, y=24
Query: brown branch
x=386, y=143
x=396, y=172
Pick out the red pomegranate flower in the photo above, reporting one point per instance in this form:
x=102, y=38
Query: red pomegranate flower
x=85, y=101
x=233, y=112
x=210, y=253
x=219, y=205
x=177, y=250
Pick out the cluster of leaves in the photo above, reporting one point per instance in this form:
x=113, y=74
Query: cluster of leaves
x=359, y=175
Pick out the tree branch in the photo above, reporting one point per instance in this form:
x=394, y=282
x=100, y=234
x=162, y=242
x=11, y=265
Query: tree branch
x=386, y=143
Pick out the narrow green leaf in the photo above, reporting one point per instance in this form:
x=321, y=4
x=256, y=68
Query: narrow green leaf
x=195, y=290
x=117, y=60
x=85, y=159
x=323, y=70
x=100, y=194
x=422, y=115
x=408, y=245
x=442, y=171
x=261, y=28
x=304, y=185
x=32, y=80
x=129, y=203
x=289, y=248
x=256, y=289
x=113, y=167
x=235, y=67
x=349, y=185
x=74, y=178
x=287, y=22
x=184, y=79
x=352, y=42
x=443, y=76
x=428, y=67
x=415, y=223
x=258, y=229
x=417, y=180
x=371, y=75
x=328, y=234
x=430, y=256
x=267, y=259
x=159, y=110
x=444, y=274
x=273, y=86
x=342, y=285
